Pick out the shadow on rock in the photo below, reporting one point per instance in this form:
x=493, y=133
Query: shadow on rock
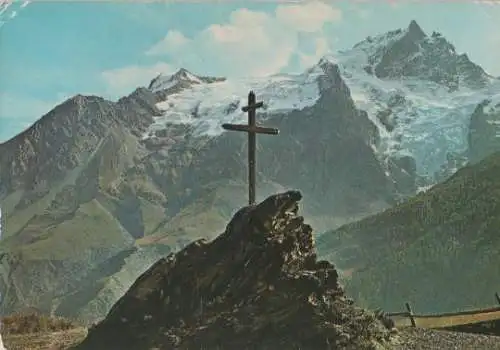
x=258, y=285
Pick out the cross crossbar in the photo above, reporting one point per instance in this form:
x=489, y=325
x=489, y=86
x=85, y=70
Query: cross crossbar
x=252, y=129
x=249, y=128
x=252, y=106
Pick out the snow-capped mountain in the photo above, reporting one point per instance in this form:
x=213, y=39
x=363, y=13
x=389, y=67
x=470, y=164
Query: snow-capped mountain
x=206, y=104
x=410, y=53
x=417, y=90
x=168, y=84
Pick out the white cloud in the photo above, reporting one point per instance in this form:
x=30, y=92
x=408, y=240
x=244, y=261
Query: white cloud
x=173, y=41
x=307, y=17
x=321, y=48
x=251, y=42
x=122, y=81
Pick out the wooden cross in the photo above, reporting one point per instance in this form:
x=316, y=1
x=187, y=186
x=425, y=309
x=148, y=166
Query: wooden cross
x=252, y=129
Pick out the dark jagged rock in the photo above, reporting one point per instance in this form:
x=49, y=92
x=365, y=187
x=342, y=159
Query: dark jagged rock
x=256, y=286
x=484, y=129
x=411, y=53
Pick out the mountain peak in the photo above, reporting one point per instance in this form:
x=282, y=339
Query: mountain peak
x=415, y=31
x=180, y=77
x=411, y=53
x=185, y=75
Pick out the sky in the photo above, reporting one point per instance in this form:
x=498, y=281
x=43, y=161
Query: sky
x=52, y=50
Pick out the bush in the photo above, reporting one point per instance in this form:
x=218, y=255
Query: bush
x=22, y=323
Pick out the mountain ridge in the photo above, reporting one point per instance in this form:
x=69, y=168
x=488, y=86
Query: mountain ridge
x=424, y=251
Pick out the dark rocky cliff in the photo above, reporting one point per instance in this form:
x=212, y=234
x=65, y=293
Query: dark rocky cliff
x=484, y=132
x=258, y=285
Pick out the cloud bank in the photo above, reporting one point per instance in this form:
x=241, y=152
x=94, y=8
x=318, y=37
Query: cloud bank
x=249, y=43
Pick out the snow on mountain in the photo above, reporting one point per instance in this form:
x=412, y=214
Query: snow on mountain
x=410, y=53
x=416, y=89
x=423, y=110
x=164, y=82
x=415, y=117
x=207, y=105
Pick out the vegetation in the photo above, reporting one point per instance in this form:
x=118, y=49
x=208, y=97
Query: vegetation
x=30, y=330
x=439, y=250
x=32, y=322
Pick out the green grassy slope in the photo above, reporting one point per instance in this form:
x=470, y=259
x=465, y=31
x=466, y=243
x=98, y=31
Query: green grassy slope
x=439, y=250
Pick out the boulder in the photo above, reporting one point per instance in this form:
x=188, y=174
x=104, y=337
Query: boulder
x=258, y=285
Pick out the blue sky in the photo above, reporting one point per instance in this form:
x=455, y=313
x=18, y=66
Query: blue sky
x=51, y=50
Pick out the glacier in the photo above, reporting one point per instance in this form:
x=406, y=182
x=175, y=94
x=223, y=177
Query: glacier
x=427, y=120
x=208, y=105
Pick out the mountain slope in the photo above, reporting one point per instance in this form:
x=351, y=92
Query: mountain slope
x=429, y=250
x=62, y=211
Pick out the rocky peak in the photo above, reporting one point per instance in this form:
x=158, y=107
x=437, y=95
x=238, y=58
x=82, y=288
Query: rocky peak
x=484, y=129
x=258, y=285
x=171, y=83
x=410, y=53
x=415, y=32
x=182, y=76
x=331, y=74
x=57, y=142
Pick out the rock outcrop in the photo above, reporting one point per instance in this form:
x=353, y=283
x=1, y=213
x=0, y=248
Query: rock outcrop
x=484, y=132
x=258, y=285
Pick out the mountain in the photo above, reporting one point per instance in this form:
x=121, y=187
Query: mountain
x=60, y=217
x=421, y=94
x=257, y=285
x=439, y=250
x=96, y=183
x=411, y=53
x=92, y=177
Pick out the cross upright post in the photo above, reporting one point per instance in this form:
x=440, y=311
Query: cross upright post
x=252, y=129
